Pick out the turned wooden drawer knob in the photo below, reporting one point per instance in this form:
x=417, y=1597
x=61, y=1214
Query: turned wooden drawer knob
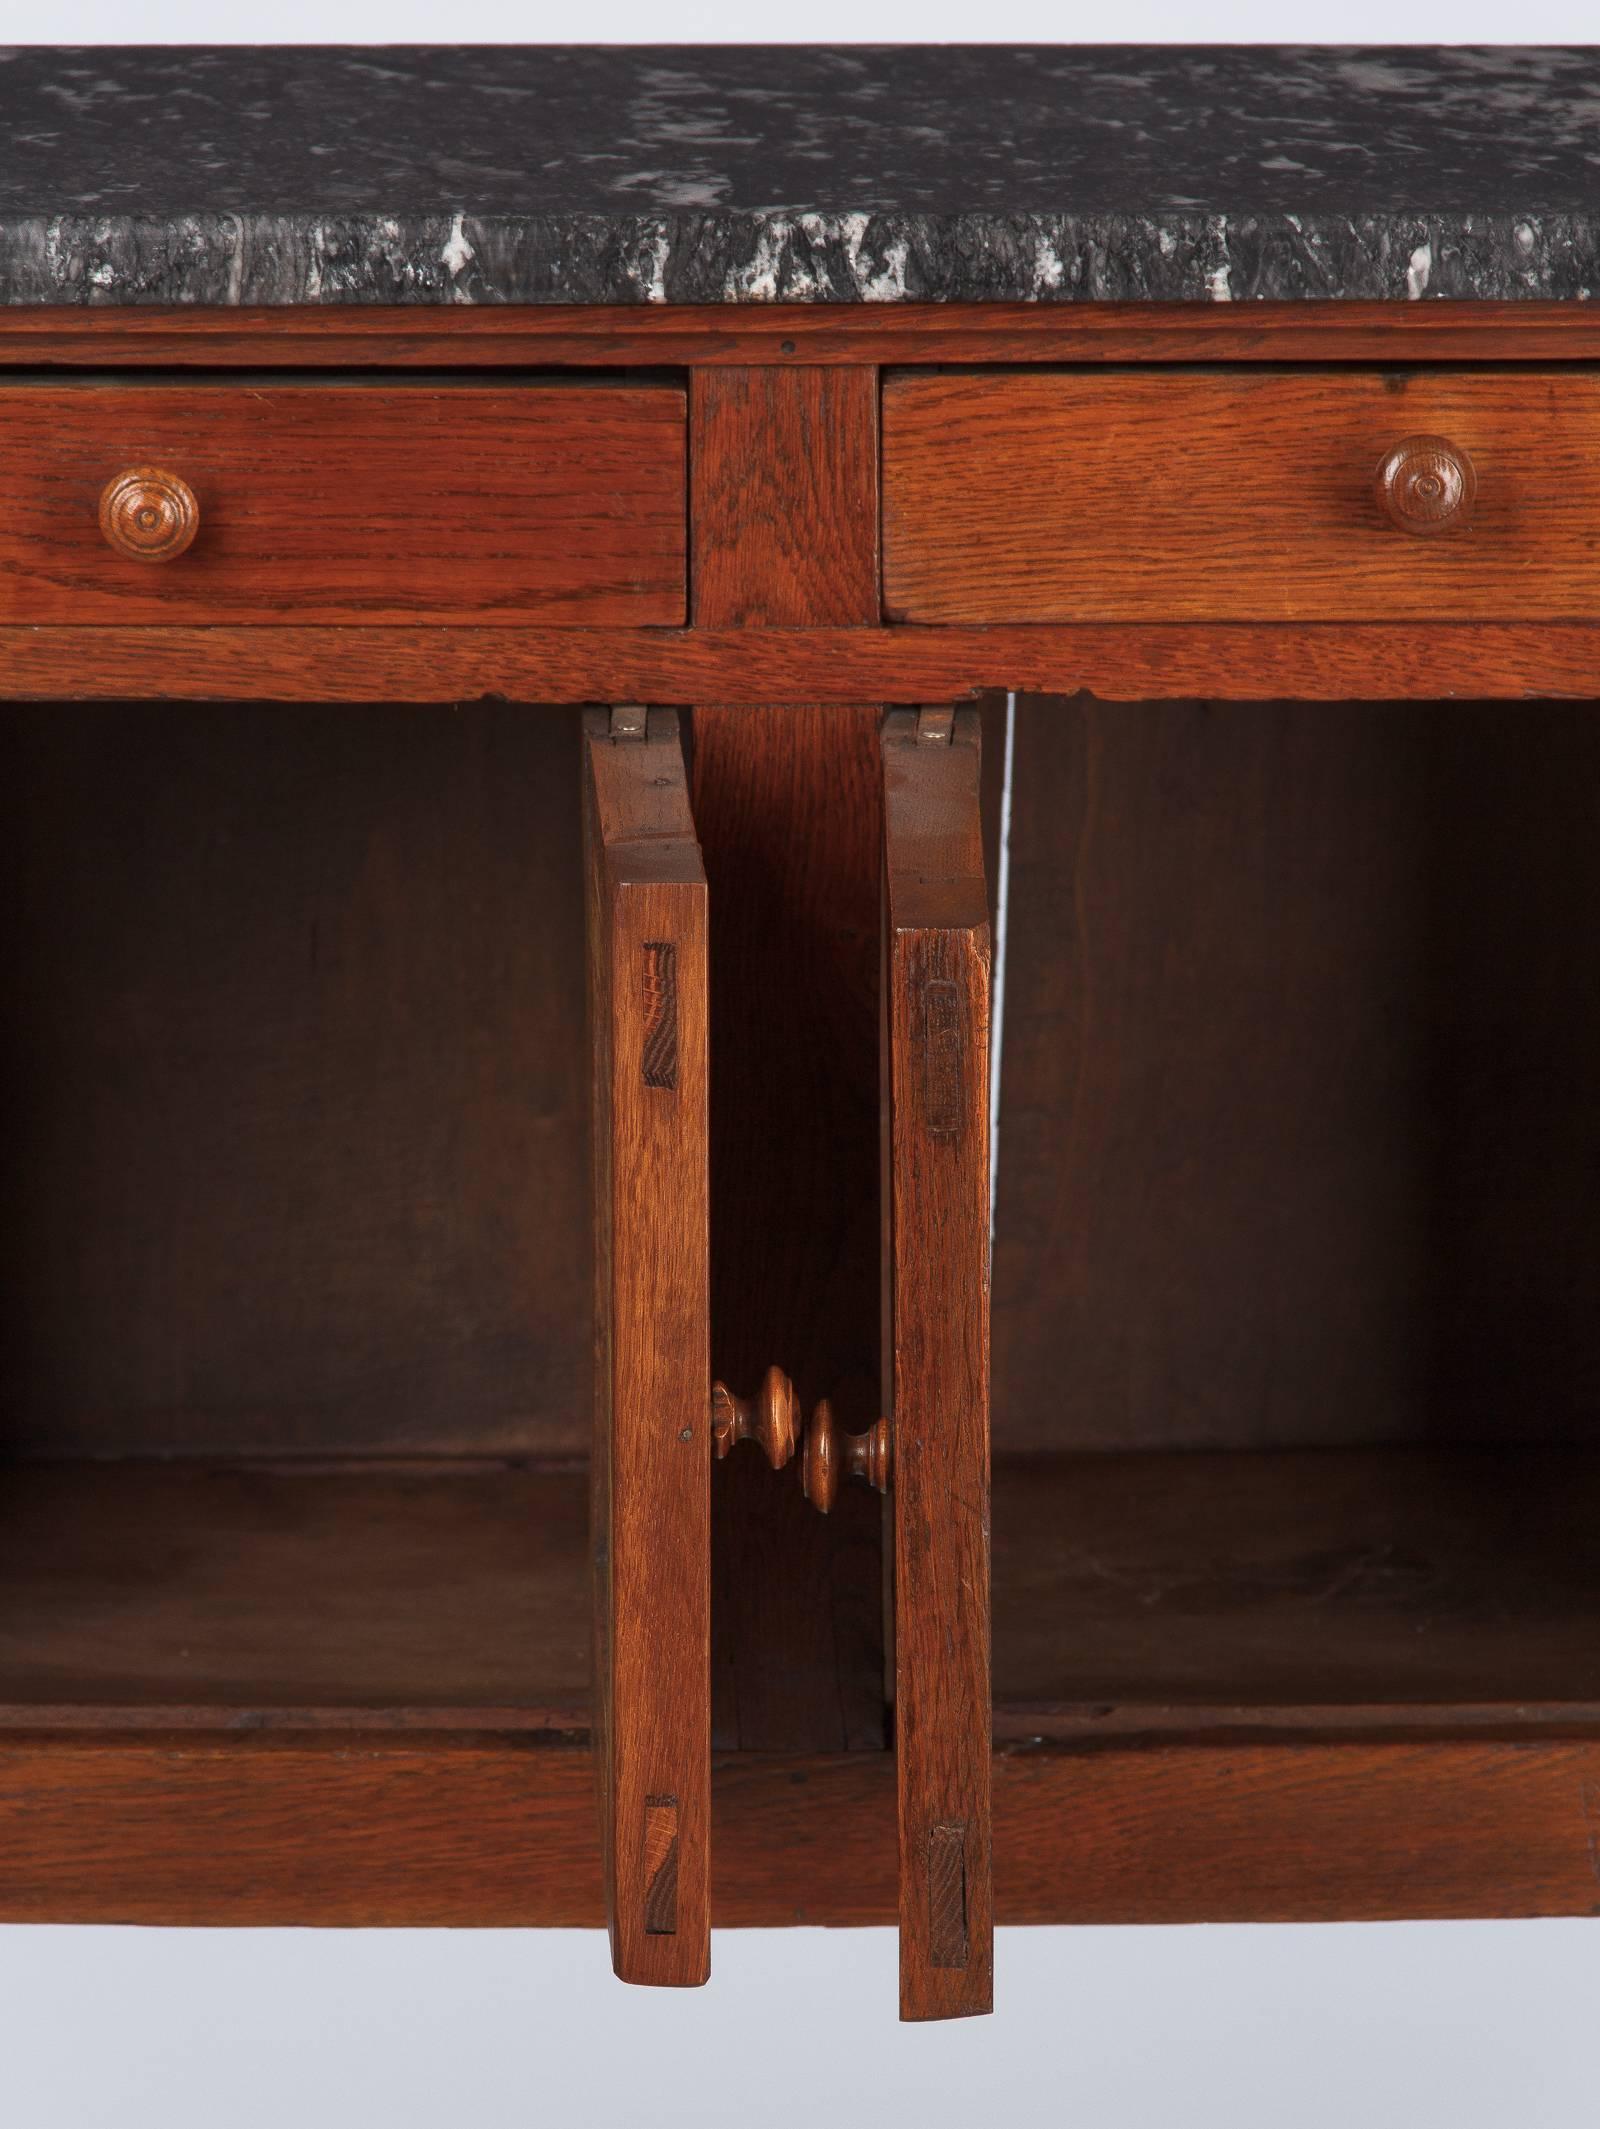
x=771, y=1417
x=827, y=1455
x=1426, y=484
x=148, y=515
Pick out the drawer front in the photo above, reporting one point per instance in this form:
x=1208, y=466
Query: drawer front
x=1239, y=496
x=283, y=501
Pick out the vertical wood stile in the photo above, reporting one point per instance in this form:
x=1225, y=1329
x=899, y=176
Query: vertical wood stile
x=936, y=1074
x=784, y=536
x=650, y=1522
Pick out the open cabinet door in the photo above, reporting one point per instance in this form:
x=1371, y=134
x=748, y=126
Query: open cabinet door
x=650, y=1514
x=936, y=1351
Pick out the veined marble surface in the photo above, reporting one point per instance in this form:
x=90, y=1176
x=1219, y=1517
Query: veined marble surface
x=846, y=174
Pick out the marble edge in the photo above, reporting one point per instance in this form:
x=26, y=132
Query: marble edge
x=456, y=257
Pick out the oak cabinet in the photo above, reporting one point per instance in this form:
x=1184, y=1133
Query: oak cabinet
x=587, y=1016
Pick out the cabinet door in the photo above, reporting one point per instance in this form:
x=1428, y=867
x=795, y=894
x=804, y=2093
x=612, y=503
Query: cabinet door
x=936, y=1348
x=650, y=1517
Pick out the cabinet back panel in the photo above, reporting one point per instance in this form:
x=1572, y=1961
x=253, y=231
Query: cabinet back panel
x=1300, y=1128
x=293, y=1091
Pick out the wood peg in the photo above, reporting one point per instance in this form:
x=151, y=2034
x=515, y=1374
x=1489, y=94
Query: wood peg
x=147, y=515
x=830, y=1456
x=771, y=1417
x=1426, y=484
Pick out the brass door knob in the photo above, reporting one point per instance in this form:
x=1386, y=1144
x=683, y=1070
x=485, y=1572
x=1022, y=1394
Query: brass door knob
x=148, y=515
x=1426, y=484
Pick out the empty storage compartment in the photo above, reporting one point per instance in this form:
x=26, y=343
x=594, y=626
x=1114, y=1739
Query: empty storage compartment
x=296, y=1238
x=1297, y=1272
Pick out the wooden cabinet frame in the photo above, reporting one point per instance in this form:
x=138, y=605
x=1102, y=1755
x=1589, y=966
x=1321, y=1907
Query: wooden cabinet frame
x=650, y=1513
x=936, y=987
x=784, y=1809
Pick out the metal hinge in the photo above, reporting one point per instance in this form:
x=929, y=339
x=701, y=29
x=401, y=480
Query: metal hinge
x=629, y=720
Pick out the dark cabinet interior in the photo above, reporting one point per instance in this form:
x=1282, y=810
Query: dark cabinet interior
x=1296, y=1351
x=1296, y=1328
x=296, y=1328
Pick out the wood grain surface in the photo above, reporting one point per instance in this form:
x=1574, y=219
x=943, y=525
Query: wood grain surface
x=490, y=1831
x=1302, y=1030
x=1326, y=662
x=406, y=500
x=798, y=334
x=1231, y=495
x=369, y=1593
x=1300, y=1054
x=785, y=519
x=294, y=1104
x=1416, y=1591
x=650, y=1514
x=936, y=1373
x=788, y=809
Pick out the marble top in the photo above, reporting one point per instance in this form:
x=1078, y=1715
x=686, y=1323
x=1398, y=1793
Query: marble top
x=744, y=174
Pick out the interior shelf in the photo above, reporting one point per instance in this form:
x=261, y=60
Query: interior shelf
x=1393, y=1588
x=149, y=1594
x=1175, y=1594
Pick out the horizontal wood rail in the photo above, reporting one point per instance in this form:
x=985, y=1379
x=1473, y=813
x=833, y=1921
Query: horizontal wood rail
x=620, y=335
x=502, y=1832
x=1239, y=661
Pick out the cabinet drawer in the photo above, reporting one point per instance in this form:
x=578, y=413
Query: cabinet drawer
x=280, y=500
x=1243, y=496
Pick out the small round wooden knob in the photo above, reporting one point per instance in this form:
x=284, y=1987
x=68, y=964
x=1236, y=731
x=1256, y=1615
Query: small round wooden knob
x=830, y=1456
x=148, y=515
x=771, y=1417
x=1426, y=484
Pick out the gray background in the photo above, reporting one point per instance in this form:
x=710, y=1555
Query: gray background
x=1394, y=2026
x=1398, y=2026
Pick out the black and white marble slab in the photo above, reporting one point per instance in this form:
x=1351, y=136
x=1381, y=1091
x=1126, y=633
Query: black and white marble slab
x=853, y=174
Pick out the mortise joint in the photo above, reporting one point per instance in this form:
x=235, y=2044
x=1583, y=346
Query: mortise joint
x=659, y=1055
x=936, y=725
x=947, y=1893
x=660, y=1866
x=943, y=1058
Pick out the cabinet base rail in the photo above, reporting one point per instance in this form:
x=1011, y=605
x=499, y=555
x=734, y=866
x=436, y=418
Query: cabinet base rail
x=500, y=1831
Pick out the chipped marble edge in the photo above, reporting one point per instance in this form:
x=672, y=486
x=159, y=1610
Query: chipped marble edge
x=461, y=258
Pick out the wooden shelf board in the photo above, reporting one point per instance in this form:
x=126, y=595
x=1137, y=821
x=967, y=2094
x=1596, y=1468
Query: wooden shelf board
x=180, y=1595
x=1394, y=1588
x=167, y=1628
x=1165, y=1596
